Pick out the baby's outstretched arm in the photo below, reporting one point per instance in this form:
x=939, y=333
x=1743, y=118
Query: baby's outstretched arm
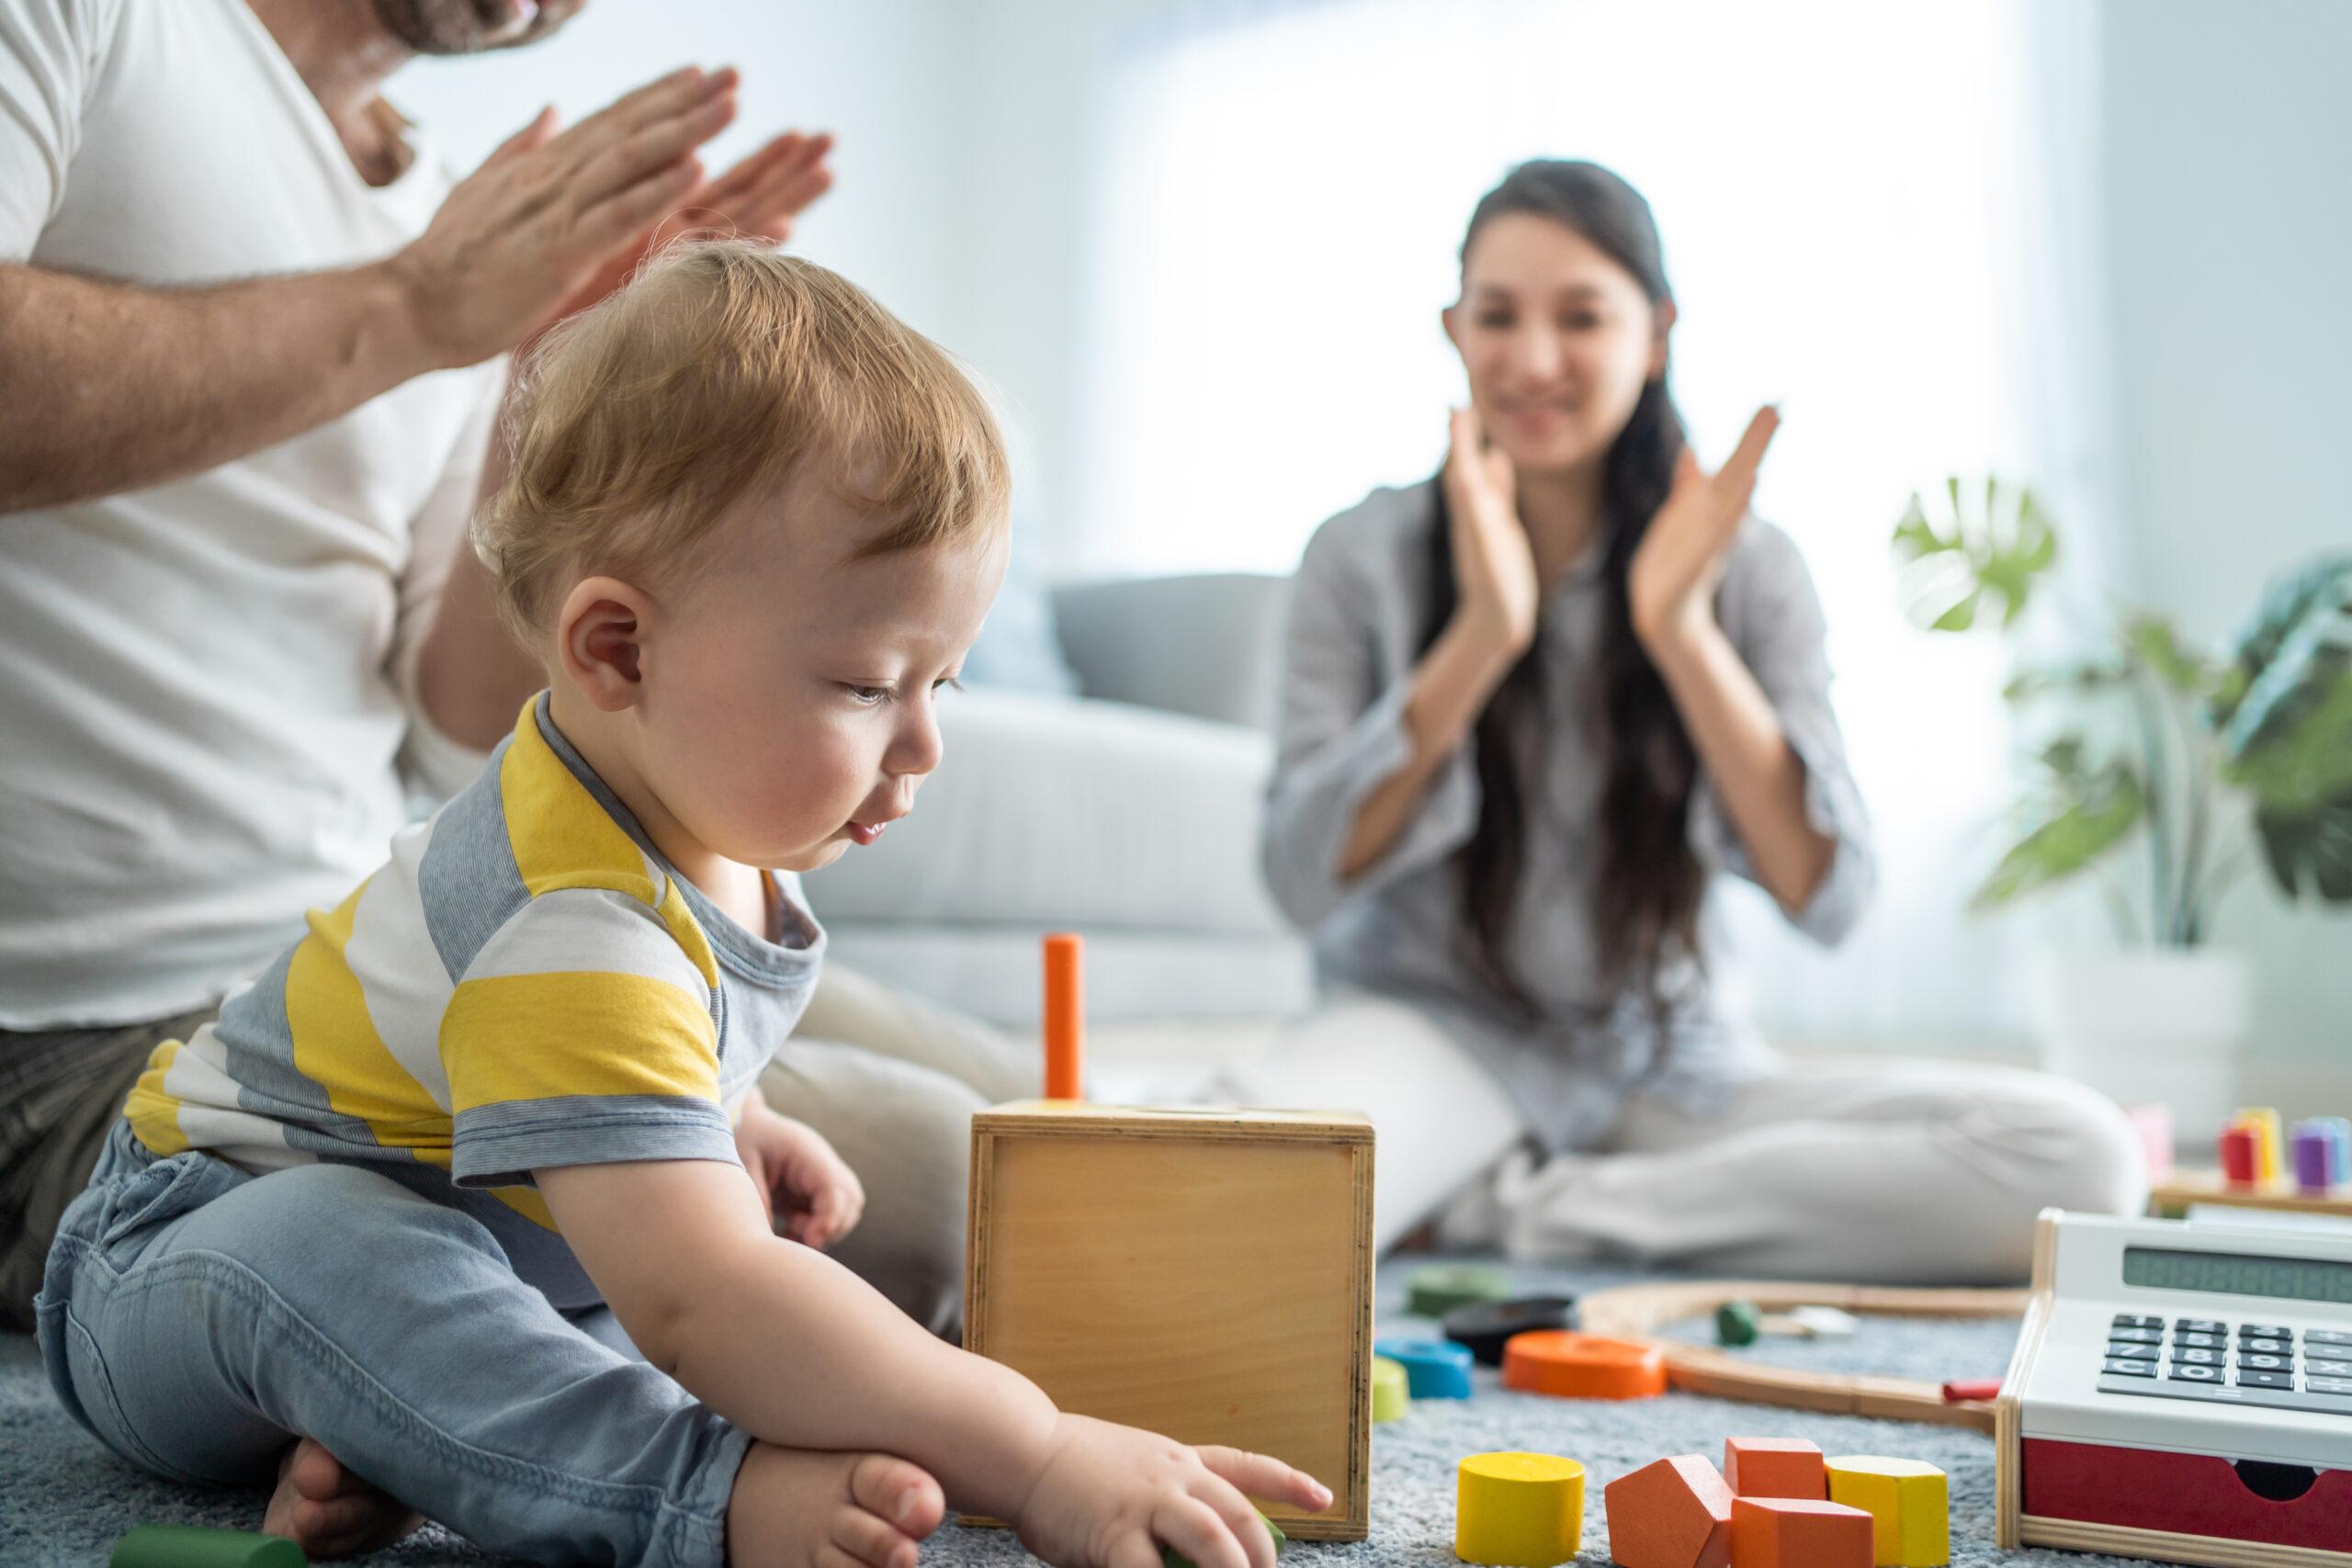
x=799, y=1352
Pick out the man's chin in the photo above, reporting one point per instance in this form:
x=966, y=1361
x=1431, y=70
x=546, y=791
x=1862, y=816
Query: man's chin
x=471, y=26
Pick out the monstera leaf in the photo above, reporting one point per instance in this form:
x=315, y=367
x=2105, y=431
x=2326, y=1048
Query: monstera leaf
x=2094, y=808
x=2155, y=647
x=2286, y=721
x=1983, y=548
x=2313, y=849
x=2324, y=583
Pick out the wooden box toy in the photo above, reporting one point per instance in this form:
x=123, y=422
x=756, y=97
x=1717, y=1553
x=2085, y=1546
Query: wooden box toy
x=1203, y=1273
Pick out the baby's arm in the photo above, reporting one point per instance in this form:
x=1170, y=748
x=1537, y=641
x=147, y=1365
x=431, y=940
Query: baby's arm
x=798, y=1351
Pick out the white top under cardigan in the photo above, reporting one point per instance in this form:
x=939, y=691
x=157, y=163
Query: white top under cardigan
x=206, y=686
x=1356, y=631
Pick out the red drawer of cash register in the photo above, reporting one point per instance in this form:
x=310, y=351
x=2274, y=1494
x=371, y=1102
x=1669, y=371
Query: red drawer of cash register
x=2188, y=1493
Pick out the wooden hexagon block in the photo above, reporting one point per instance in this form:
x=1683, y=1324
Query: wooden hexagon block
x=1910, y=1501
x=1673, y=1514
x=1798, y=1533
x=1775, y=1467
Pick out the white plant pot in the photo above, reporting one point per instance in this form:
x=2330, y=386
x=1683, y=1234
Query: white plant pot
x=2167, y=1025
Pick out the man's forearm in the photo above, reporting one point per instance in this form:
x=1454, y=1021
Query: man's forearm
x=471, y=675
x=120, y=386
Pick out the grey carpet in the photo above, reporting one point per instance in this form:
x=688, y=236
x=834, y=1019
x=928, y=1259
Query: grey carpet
x=64, y=1500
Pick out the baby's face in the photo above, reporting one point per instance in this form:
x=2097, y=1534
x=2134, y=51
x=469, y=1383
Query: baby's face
x=788, y=707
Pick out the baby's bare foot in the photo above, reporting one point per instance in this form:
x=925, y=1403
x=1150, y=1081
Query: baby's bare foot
x=796, y=1509
x=328, y=1511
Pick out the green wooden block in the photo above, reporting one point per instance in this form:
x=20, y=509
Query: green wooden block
x=1172, y=1558
x=189, y=1546
x=1735, y=1324
x=1440, y=1287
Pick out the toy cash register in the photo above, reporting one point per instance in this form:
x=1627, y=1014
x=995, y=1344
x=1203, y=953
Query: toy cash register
x=2182, y=1392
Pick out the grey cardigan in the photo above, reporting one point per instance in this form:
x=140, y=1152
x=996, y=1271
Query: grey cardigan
x=1354, y=635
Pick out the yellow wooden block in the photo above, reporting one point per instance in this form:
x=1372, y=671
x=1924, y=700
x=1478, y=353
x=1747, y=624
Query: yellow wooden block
x=2270, y=1136
x=1392, y=1392
x=1205, y=1274
x=1516, y=1510
x=1910, y=1501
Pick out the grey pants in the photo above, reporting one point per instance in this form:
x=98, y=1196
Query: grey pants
x=890, y=1081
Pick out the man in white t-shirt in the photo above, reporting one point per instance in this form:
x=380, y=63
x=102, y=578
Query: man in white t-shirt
x=251, y=352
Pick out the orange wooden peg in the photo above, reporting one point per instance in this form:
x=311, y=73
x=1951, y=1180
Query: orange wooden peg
x=1065, y=1016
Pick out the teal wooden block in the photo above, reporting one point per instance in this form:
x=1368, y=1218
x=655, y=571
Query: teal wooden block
x=1434, y=1369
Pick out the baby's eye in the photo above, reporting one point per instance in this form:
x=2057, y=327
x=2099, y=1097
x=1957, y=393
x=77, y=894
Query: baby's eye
x=948, y=681
x=871, y=696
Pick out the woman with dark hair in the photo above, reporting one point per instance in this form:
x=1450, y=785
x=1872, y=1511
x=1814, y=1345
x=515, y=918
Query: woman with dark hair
x=1530, y=709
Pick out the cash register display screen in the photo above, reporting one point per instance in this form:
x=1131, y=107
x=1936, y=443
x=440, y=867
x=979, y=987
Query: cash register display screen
x=2289, y=1279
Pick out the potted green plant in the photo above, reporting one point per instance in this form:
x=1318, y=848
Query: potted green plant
x=2165, y=774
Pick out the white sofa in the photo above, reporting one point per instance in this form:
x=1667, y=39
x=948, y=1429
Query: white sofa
x=1128, y=814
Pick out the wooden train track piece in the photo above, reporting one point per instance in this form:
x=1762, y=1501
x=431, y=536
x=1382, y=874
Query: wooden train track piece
x=1636, y=1312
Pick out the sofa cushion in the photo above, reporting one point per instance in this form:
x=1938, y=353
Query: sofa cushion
x=1066, y=813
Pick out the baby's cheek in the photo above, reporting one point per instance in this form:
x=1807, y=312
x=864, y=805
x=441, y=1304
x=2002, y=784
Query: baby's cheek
x=811, y=772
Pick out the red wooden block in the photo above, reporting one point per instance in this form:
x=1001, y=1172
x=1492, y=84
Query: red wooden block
x=1797, y=1532
x=1673, y=1514
x=2241, y=1157
x=1775, y=1467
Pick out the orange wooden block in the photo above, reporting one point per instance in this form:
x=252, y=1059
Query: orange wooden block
x=1582, y=1366
x=1775, y=1467
x=1797, y=1532
x=1673, y=1514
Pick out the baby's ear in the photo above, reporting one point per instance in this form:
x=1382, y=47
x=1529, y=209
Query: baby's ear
x=599, y=641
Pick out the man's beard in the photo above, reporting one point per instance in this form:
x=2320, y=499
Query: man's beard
x=471, y=26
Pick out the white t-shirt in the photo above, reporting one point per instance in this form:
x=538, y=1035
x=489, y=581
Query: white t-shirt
x=207, y=687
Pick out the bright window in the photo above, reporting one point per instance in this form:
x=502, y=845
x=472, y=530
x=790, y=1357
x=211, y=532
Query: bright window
x=1842, y=186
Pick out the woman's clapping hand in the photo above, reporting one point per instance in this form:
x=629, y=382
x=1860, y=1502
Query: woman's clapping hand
x=1494, y=564
x=1671, y=583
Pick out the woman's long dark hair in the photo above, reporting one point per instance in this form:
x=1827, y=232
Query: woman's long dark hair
x=1646, y=906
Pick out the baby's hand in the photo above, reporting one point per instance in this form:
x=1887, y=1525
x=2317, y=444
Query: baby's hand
x=800, y=1178
x=1111, y=1496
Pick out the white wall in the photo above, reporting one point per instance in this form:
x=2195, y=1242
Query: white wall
x=2229, y=213
x=885, y=76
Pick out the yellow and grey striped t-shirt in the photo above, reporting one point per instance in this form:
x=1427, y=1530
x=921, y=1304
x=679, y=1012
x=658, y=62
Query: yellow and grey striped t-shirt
x=525, y=984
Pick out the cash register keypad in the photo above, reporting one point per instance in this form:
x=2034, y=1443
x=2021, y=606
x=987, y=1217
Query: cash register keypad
x=2250, y=1363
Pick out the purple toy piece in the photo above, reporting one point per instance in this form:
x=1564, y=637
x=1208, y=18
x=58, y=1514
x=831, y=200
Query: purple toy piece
x=2317, y=1165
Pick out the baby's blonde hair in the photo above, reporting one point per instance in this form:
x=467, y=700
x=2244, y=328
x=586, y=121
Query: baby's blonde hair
x=727, y=365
